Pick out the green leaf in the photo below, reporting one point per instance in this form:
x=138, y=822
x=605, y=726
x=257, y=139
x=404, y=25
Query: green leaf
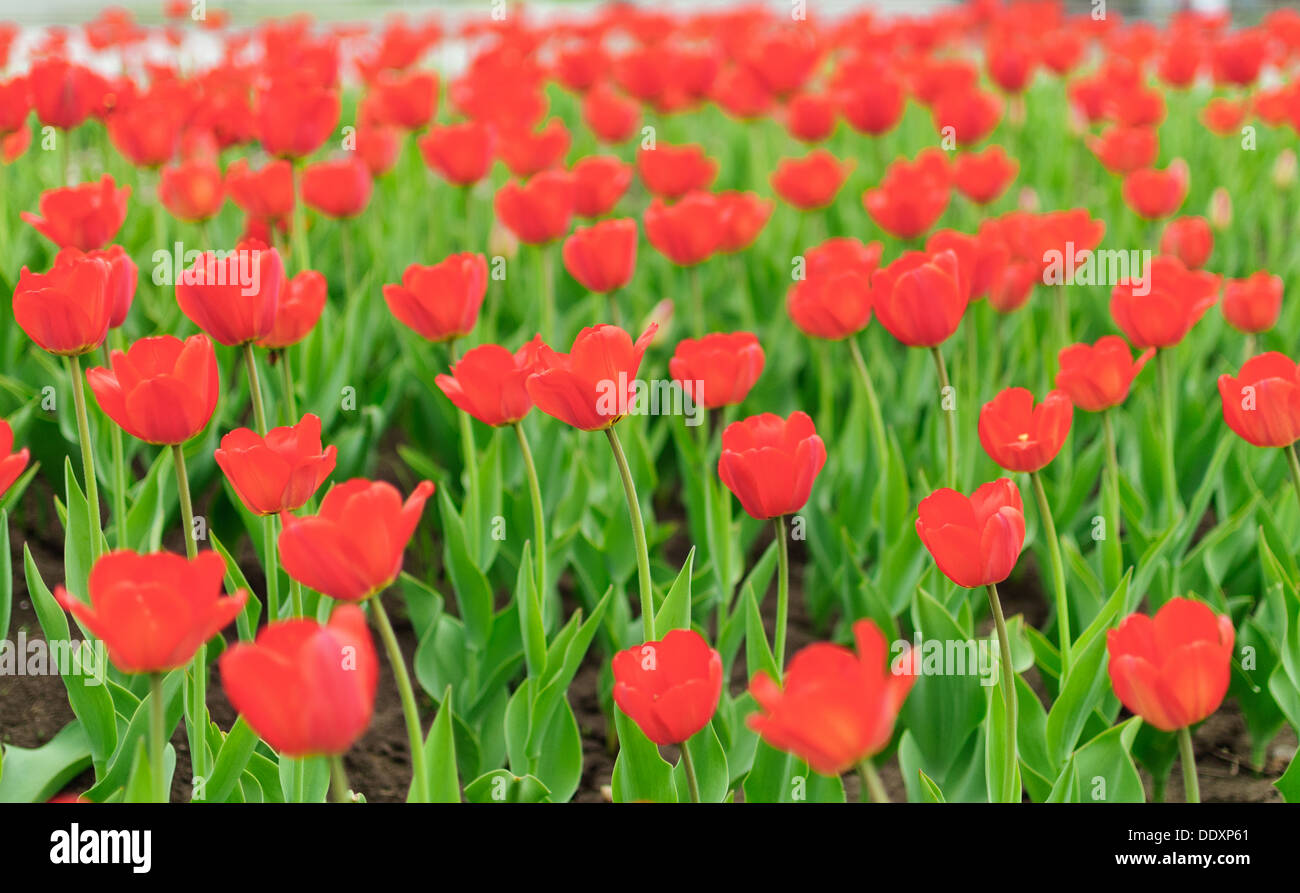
x=6, y=577
x=233, y=756
x=473, y=594
x=675, y=612
x=710, y=762
x=246, y=622
x=930, y=792
x=440, y=757
x=531, y=625
x=758, y=654
x=501, y=786
x=640, y=773
x=140, y=783
x=34, y=775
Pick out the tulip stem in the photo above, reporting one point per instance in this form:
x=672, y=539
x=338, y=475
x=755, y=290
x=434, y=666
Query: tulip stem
x=157, y=736
x=871, y=782
x=1114, y=549
x=1191, y=784
x=1294, y=462
x=697, y=304
x=87, y=456
x=301, y=249
x=187, y=507
x=873, y=405
x=255, y=389
x=692, y=780
x=782, y=591
x=1175, y=504
x=418, y=777
x=272, y=568
x=295, y=597
x=1010, y=793
x=471, y=509
x=290, y=398
x=539, y=517
x=339, y=780
x=545, y=273
x=119, y=473
x=1058, y=569
x=199, y=666
x=638, y=535
x=949, y=422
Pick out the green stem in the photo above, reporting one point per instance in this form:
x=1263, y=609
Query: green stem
x=950, y=423
x=255, y=389
x=697, y=304
x=87, y=456
x=295, y=597
x=290, y=397
x=638, y=535
x=1294, y=462
x=199, y=666
x=873, y=405
x=272, y=568
x=339, y=780
x=1167, y=467
x=187, y=507
x=871, y=782
x=782, y=591
x=1114, y=550
x=119, y=474
x=1058, y=569
x=539, y=517
x=299, y=235
x=547, y=277
x=1010, y=792
x=157, y=736
x=418, y=777
x=469, y=454
x=692, y=781
x=1191, y=785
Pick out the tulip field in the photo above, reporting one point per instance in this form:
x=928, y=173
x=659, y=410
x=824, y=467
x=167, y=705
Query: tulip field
x=601, y=402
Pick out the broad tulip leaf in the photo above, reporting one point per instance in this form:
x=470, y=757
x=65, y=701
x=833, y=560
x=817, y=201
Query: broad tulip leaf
x=675, y=612
x=641, y=774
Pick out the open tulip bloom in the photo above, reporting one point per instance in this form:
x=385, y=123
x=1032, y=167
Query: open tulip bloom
x=651, y=404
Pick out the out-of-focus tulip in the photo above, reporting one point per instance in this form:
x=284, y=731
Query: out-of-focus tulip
x=1262, y=402
x=461, y=154
x=594, y=385
x=1163, y=308
x=539, y=210
x=686, y=232
x=527, y=152
x=265, y=193
x=12, y=464
x=810, y=117
x=719, y=369
x=984, y=176
x=85, y=216
x=599, y=181
x=64, y=93
x=744, y=214
x=192, y=191
x=1122, y=150
x=442, y=301
x=672, y=171
x=612, y=117
x=1252, y=305
x=294, y=117
x=1189, y=239
x=405, y=100
x=297, y=311
x=1098, y=376
x=811, y=182
x=1155, y=194
x=338, y=189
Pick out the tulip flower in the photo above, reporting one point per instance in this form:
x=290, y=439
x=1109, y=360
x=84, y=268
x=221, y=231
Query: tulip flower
x=305, y=688
x=1160, y=311
x=298, y=310
x=744, y=214
x=832, y=305
x=147, y=129
x=719, y=369
x=15, y=105
x=968, y=115
x=1252, y=305
x=378, y=148
x=405, y=100
x=85, y=216
x=539, y=210
x=1020, y=436
x=267, y=193
x=1010, y=63
x=1155, y=194
x=874, y=106
x=339, y=189
x=837, y=709
x=1097, y=377
x=613, y=118
x=811, y=117
x=1261, y=404
x=12, y=464
x=233, y=297
x=670, y=689
x=1173, y=670
x=461, y=154
x=66, y=311
x=440, y=302
x=1189, y=239
x=294, y=116
x=192, y=191
x=64, y=94
x=984, y=176
x=602, y=257
x=1123, y=150
x=527, y=152
x=810, y=183
x=908, y=202
x=976, y=541
x=688, y=231
x=278, y=472
x=161, y=390
x=599, y=181
x=671, y=172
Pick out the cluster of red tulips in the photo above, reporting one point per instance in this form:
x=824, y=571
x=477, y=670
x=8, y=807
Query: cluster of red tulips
x=332, y=140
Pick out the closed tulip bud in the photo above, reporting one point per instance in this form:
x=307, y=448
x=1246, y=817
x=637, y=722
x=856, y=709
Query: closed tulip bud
x=688, y=231
x=306, y=689
x=539, y=210
x=294, y=116
x=461, y=154
x=1098, y=376
x=66, y=311
x=352, y=549
x=233, y=297
x=85, y=216
x=918, y=298
x=440, y=302
x=154, y=611
x=1172, y=670
x=660, y=320
x=984, y=176
x=672, y=171
x=836, y=708
x=719, y=369
x=1262, y=402
x=278, y=472
x=593, y=385
x=12, y=464
x=611, y=116
x=1220, y=211
x=669, y=688
x=602, y=257
x=599, y=181
x=1284, y=169
x=974, y=540
x=1252, y=305
x=1020, y=436
x=161, y=390
x=770, y=463
x=1155, y=194
x=297, y=311
x=811, y=182
x=527, y=152
x=490, y=383
x=338, y=189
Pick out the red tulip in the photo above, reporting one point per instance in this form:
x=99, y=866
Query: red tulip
x=971, y=114
x=294, y=117
x=278, y=472
x=836, y=708
x=875, y=106
x=719, y=369
x=1010, y=63
x=14, y=145
x=162, y=390
x=1177, y=299
x=1154, y=194
x=66, y=311
x=911, y=197
x=672, y=171
x=687, y=232
x=593, y=385
x=983, y=176
x=811, y=182
x=783, y=59
x=579, y=68
x=833, y=305
x=64, y=93
x=599, y=181
x=527, y=152
x=154, y=611
x=540, y=209
x=843, y=253
x=405, y=100
x=147, y=129
x=338, y=189
x=1098, y=376
x=1189, y=239
x=611, y=116
x=1020, y=436
x=1123, y=150
x=440, y=302
x=490, y=383
x=266, y=193
x=306, y=689
x=12, y=464
x=974, y=540
x=1172, y=670
x=669, y=688
x=85, y=216
x=15, y=104
x=918, y=298
x=1262, y=403
x=1238, y=56
x=461, y=154
x=1252, y=305
x=1224, y=117
x=810, y=117
x=233, y=297
x=192, y=190
x=770, y=463
x=1062, y=50
x=602, y=257
x=297, y=311
x=744, y=214
x=352, y=549
x=379, y=148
